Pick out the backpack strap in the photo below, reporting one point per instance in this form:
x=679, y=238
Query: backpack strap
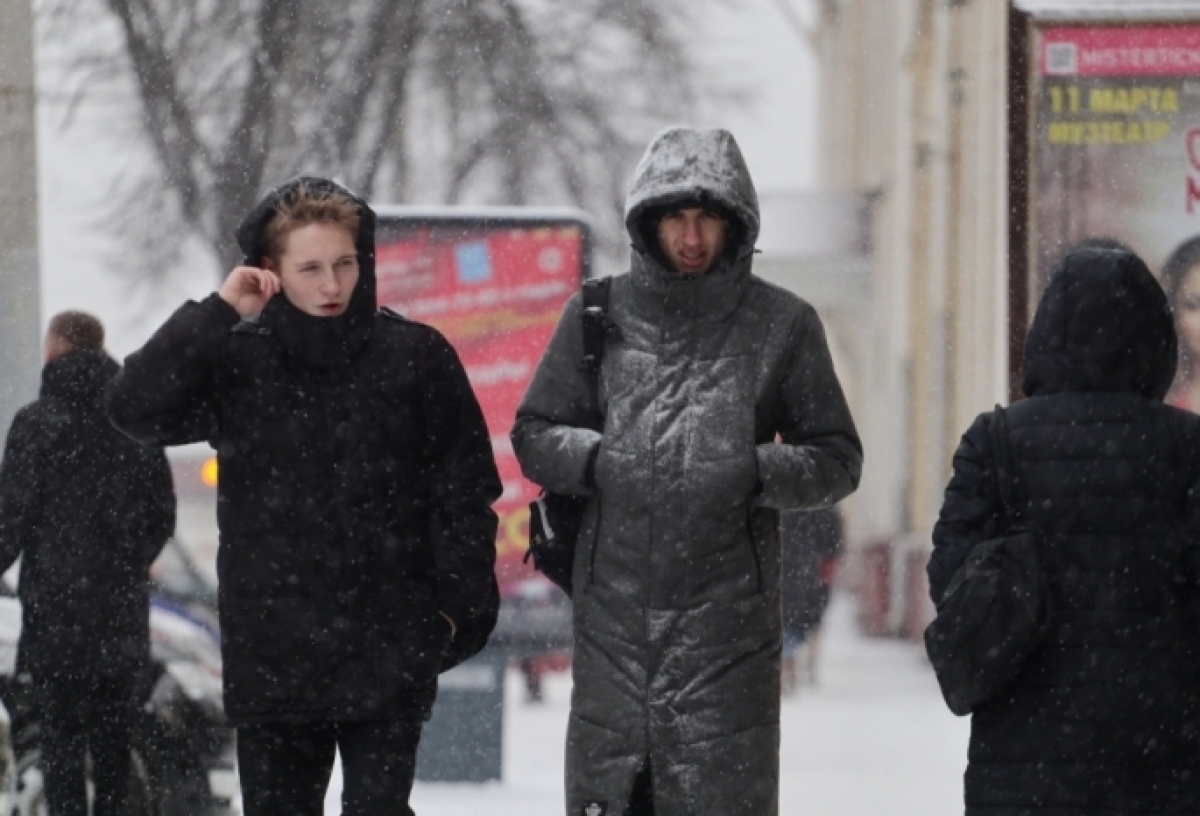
x=596, y=325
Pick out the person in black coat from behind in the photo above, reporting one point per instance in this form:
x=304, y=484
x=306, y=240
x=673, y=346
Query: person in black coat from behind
x=87, y=510
x=1104, y=716
x=354, y=501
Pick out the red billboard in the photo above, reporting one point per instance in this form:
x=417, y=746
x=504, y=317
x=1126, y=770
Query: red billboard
x=494, y=285
x=1145, y=50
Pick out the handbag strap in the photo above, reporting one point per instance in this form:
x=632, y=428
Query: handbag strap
x=1012, y=516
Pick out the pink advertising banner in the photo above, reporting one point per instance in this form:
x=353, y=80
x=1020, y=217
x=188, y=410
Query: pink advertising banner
x=1115, y=140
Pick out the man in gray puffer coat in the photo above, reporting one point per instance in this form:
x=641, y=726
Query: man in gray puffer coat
x=676, y=578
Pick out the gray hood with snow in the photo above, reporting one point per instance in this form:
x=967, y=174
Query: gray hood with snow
x=677, y=628
x=692, y=165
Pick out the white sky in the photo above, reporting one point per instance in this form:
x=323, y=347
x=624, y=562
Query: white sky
x=747, y=44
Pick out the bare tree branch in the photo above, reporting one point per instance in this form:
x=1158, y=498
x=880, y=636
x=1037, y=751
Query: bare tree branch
x=504, y=101
x=805, y=31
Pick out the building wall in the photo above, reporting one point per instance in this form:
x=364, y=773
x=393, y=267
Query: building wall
x=913, y=109
x=19, y=347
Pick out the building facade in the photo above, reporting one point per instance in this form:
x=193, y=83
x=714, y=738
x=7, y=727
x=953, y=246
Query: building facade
x=926, y=107
x=913, y=111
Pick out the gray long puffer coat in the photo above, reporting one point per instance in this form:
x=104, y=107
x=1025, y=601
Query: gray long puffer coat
x=677, y=622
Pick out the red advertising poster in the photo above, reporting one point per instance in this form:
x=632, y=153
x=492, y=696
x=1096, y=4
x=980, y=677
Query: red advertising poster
x=495, y=289
x=1116, y=140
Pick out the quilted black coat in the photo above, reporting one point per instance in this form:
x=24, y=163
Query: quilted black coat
x=354, y=504
x=1104, y=717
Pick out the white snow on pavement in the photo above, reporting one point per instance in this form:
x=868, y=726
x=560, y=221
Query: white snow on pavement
x=873, y=736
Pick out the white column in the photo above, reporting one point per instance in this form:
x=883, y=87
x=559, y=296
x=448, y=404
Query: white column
x=19, y=280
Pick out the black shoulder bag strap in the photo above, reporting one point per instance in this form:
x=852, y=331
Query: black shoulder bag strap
x=1012, y=519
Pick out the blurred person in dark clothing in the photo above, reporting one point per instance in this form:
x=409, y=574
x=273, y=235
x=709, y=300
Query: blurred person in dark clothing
x=87, y=509
x=810, y=543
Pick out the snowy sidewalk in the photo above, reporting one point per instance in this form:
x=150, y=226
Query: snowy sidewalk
x=872, y=737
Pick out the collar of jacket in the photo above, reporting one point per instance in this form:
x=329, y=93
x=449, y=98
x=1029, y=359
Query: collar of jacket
x=328, y=344
x=78, y=377
x=708, y=298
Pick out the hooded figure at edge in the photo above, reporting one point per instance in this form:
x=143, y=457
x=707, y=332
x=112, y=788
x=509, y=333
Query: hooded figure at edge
x=676, y=579
x=356, y=478
x=1104, y=716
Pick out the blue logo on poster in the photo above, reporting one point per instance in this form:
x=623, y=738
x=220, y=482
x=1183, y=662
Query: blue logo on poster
x=474, y=265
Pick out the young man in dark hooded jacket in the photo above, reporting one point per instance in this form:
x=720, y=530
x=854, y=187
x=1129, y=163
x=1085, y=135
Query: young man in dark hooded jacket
x=87, y=510
x=676, y=577
x=355, y=491
x=1103, y=717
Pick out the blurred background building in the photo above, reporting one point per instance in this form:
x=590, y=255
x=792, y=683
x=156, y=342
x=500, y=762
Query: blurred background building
x=937, y=113
x=19, y=271
x=913, y=119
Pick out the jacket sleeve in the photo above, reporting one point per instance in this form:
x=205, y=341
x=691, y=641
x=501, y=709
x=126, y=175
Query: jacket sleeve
x=165, y=394
x=157, y=512
x=18, y=486
x=551, y=439
x=969, y=511
x=464, y=484
x=820, y=459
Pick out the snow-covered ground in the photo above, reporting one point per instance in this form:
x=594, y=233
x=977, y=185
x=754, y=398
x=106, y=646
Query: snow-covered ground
x=873, y=736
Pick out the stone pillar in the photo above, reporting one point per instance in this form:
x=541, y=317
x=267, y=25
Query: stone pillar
x=19, y=279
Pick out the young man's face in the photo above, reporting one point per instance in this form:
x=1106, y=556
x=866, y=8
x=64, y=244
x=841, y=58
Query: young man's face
x=318, y=269
x=692, y=239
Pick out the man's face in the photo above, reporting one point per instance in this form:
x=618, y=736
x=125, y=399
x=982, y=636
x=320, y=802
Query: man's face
x=318, y=269
x=692, y=239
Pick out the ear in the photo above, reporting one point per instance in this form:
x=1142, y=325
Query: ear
x=268, y=265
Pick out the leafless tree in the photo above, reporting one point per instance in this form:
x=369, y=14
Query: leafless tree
x=488, y=101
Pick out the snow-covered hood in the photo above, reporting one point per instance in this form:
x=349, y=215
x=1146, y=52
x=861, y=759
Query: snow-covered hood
x=683, y=164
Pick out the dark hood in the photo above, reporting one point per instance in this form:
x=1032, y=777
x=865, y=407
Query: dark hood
x=318, y=342
x=77, y=378
x=1103, y=324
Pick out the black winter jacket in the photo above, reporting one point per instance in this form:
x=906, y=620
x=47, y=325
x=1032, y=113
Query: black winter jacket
x=88, y=510
x=1104, y=717
x=356, y=478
